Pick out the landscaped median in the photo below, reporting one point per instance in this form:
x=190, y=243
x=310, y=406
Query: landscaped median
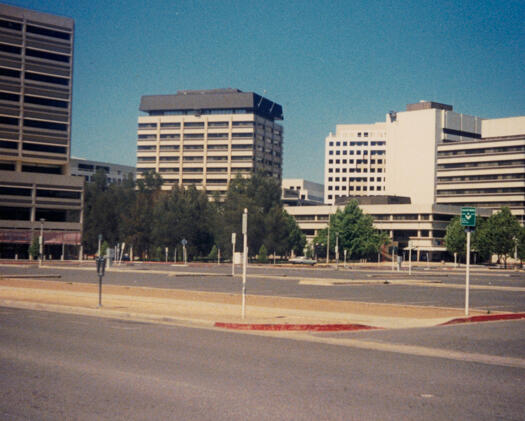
x=221, y=310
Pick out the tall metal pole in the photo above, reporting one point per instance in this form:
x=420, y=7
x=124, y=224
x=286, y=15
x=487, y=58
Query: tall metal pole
x=409, y=258
x=336, y=250
x=467, y=280
x=244, y=258
x=328, y=242
x=234, y=238
x=42, y=220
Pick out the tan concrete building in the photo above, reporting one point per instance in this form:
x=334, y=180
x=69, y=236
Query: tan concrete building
x=36, y=191
x=413, y=137
x=355, y=161
x=487, y=172
x=206, y=138
x=424, y=225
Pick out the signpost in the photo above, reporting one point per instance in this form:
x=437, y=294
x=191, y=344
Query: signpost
x=468, y=220
x=244, y=258
x=234, y=238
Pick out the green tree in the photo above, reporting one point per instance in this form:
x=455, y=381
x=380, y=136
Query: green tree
x=504, y=230
x=521, y=244
x=262, y=256
x=214, y=253
x=356, y=233
x=455, y=237
x=34, y=248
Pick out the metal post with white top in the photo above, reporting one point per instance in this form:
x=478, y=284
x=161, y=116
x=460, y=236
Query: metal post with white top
x=234, y=238
x=244, y=258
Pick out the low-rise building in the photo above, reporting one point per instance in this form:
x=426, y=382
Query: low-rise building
x=86, y=168
x=299, y=192
x=424, y=225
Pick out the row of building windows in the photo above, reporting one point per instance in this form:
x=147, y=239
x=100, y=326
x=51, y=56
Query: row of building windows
x=489, y=177
x=357, y=188
x=4, y=96
x=487, y=164
x=482, y=191
x=353, y=170
x=29, y=76
x=34, y=123
x=198, y=136
x=351, y=179
x=482, y=151
x=38, y=30
x=211, y=124
x=345, y=143
x=19, y=213
x=30, y=52
x=358, y=161
x=358, y=152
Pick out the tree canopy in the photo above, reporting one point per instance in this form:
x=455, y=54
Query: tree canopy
x=151, y=219
x=356, y=233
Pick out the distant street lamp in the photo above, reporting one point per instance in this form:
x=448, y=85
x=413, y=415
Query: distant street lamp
x=41, y=251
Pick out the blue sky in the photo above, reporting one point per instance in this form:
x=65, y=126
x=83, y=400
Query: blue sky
x=327, y=62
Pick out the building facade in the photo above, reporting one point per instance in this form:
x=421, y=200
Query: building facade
x=36, y=190
x=299, y=192
x=355, y=161
x=487, y=172
x=206, y=138
x=413, y=137
x=424, y=225
x=116, y=173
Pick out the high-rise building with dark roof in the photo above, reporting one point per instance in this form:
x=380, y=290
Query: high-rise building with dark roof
x=205, y=138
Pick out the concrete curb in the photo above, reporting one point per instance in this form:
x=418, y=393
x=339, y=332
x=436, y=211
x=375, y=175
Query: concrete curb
x=485, y=318
x=295, y=327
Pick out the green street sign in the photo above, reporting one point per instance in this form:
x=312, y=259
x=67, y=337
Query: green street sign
x=468, y=217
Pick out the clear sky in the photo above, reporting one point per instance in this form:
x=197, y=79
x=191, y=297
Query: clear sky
x=326, y=62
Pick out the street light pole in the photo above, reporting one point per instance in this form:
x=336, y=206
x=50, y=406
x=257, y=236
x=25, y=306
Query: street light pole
x=336, y=250
x=42, y=220
x=328, y=242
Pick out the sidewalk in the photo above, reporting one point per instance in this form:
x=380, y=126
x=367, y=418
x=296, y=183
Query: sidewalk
x=217, y=309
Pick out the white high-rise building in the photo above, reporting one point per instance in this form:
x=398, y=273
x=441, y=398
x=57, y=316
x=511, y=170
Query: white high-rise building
x=355, y=161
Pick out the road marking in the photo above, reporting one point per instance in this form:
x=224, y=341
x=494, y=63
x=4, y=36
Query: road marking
x=404, y=282
x=416, y=350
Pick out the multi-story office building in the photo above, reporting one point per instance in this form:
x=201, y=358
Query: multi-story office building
x=413, y=137
x=487, y=172
x=355, y=161
x=86, y=168
x=298, y=192
x=206, y=138
x=36, y=191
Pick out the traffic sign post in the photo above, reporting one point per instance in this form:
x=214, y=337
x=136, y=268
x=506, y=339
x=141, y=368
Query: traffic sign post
x=468, y=220
x=468, y=217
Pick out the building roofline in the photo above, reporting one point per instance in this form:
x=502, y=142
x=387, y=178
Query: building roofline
x=211, y=99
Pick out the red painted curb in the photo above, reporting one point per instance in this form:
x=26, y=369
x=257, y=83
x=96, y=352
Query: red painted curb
x=486, y=318
x=295, y=327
